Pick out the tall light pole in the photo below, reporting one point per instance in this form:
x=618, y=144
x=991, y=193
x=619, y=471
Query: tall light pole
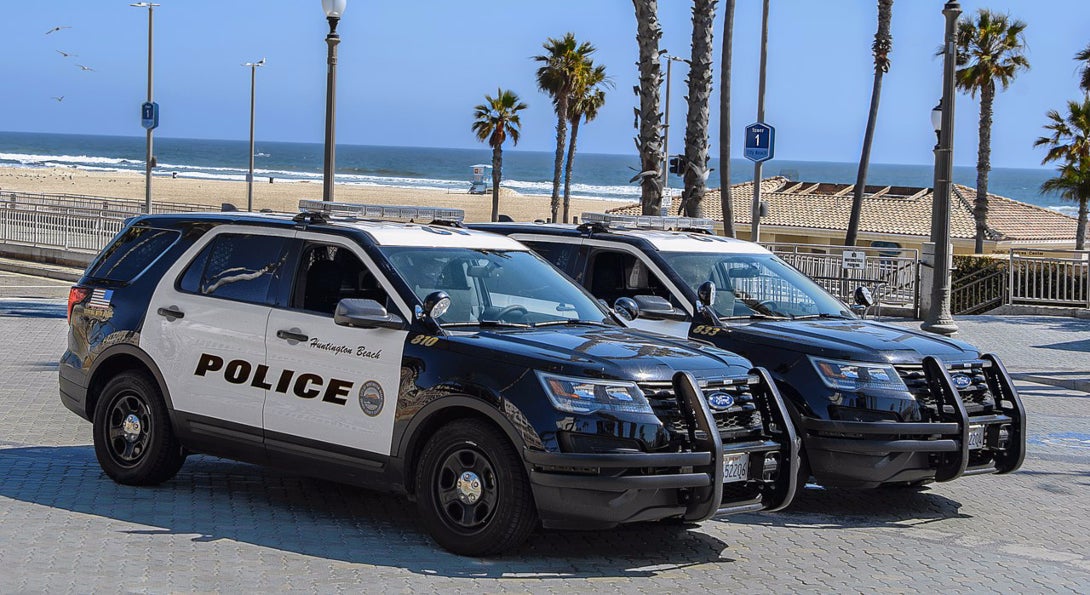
x=938, y=318
x=333, y=11
x=755, y=211
x=666, y=201
x=253, y=66
x=149, y=158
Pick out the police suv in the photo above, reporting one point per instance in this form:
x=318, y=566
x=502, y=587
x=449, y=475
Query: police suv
x=455, y=366
x=874, y=404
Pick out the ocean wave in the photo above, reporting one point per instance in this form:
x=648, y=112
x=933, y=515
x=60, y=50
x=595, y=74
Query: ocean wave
x=32, y=159
x=1070, y=211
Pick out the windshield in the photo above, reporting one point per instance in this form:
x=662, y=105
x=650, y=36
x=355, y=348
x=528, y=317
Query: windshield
x=494, y=286
x=755, y=285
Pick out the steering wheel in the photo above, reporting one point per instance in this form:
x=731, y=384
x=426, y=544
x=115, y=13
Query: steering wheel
x=769, y=305
x=512, y=309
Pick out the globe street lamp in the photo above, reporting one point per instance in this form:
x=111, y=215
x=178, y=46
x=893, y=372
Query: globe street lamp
x=149, y=158
x=253, y=66
x=333, y=11
x=938, y=318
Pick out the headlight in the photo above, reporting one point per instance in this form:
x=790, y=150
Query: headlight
x=856, y=376
x=584, y=395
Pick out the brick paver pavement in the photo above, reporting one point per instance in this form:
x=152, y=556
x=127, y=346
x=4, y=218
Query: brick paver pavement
x=221, y=526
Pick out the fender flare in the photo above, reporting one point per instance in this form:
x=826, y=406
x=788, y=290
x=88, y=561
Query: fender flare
x=128, y=349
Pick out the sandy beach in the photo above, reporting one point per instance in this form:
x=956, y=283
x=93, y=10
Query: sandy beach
x=281, y=195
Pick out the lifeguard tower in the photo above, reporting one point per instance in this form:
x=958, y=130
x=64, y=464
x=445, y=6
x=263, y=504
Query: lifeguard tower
x=481, y=179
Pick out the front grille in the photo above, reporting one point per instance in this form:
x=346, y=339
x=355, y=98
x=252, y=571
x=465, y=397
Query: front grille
x=742, y=419
x=976, y=395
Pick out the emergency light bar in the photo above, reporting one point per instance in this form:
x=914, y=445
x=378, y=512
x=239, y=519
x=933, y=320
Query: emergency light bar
x=650, y=221
x=383, y=212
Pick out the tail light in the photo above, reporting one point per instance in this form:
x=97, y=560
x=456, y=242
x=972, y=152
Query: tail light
x=76, y=295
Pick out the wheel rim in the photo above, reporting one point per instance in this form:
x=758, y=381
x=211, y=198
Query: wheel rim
x=128, y=429
x=466, y=490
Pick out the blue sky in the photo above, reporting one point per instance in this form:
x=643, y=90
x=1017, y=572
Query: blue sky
x=411, y=72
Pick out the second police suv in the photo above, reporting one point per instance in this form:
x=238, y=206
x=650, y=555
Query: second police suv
x=452, y=365
x=874, y=404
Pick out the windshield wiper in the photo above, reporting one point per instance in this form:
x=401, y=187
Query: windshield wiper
x=754, y=316
x=487, y=324
x=570, y=321
x=822, y=315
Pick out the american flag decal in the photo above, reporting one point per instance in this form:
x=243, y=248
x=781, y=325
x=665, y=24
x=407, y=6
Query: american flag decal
x=100, y=299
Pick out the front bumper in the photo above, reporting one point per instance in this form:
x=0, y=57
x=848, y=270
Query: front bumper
x=867, y=454
x=595, y=490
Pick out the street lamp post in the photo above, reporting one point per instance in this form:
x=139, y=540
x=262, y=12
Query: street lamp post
x=333, y=11
x=667, y=203
x=938, y=318
x=253, y=66
x=149, y=157
x=755, y=211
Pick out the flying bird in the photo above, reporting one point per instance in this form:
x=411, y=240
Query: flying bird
x=57, y=29
x=85, y=68
x=59, y=99
x=66, y=54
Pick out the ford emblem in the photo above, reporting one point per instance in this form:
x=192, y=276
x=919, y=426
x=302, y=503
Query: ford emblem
x=720, y=401
x=961, y=381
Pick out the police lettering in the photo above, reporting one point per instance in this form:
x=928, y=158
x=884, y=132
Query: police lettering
x=304, y=386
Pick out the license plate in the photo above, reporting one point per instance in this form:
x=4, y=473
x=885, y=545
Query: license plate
x=976, y=437
x=735, y=467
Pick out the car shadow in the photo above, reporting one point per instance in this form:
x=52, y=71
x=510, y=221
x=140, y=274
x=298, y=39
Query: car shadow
x=18, y=308
x=830, y=508
x=215, y=499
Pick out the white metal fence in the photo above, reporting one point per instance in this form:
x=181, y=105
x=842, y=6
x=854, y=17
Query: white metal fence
x=892, y=274
x=78, y=230
x=1049, y=277
x=94, y=203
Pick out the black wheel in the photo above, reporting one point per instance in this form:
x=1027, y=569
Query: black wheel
x=134, y=442
x=471, y=490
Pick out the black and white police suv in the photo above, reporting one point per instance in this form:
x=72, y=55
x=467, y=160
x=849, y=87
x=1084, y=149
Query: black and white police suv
x=874, y=404
x=452, y=365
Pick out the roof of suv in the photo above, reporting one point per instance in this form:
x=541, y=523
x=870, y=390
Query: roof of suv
x=662, y=240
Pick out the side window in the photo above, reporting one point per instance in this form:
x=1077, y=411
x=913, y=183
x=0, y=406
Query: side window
x=620, y=274
x=132, y=252
x=328, y=274
x=560, y=254
x=236, y=267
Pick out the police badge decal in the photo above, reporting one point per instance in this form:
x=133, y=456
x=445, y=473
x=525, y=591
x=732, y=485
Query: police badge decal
x=371, y=398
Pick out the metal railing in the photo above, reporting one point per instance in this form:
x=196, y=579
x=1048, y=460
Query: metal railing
x=892, y=274
x=979, y=292
x=1049, y=277
x=97, y=203
x=43, y=226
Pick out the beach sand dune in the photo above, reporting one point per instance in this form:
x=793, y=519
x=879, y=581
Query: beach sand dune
x=281, y=195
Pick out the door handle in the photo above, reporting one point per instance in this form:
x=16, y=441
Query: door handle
x=171, y=312
x=292, y=336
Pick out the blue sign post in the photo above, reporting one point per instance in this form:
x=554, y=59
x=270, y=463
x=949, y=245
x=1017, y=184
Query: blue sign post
x=760, y=142
x=149, y=115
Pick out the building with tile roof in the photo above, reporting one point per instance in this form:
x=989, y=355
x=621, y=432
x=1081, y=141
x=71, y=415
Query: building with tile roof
x=893, y=216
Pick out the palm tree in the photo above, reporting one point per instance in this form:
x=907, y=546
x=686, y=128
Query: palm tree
x=564, y=66
x=696, y=124
x=584, y=106
x=989, y=51
x=649, y=115
x=725, y=199
x=1069, y=144
x=883, y=44
x=1084, y=79
x=493, y=122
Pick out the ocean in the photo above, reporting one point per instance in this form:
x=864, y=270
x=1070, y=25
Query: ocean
x=526, y=172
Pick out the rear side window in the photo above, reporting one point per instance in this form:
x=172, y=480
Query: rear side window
x=560, y=254
x=236, y=267
x=132, y=252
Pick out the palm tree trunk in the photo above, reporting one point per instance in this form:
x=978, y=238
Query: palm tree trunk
x=882, y=46
x=700, y=90
x=568, y=165
x=648, y=115
x=725, y=198
x=561, y=138
x=983, y=165
x=497, y=166
x=1080, y=231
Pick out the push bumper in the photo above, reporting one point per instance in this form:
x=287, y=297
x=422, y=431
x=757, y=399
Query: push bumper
x=594, y=490
x=866, y=454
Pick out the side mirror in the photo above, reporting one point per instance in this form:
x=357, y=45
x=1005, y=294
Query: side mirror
x=365, y=314
x=863, y=297
x=705, y=294
x=627, y=308
x=653, y=307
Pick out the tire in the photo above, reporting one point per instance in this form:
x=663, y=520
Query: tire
x=472, y=491
x=134, y=441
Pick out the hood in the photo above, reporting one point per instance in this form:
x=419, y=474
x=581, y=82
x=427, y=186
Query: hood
x=861, y=340
x=594, y=351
